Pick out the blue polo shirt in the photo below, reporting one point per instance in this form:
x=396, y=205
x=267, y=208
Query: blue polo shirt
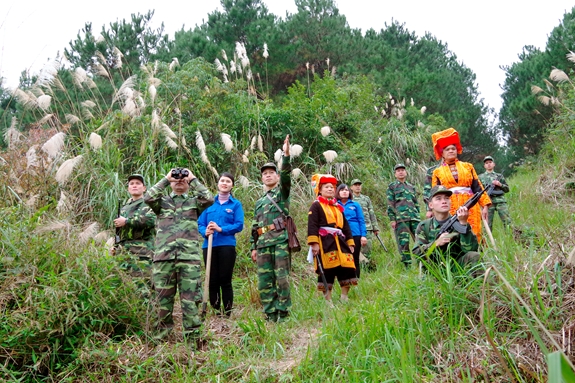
x=229, y=216
x=354, y=215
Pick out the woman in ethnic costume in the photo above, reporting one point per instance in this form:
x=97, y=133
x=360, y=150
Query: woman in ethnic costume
x=459, y=177
x=329, y=235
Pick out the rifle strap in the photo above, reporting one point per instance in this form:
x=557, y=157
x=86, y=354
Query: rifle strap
x=275, y=204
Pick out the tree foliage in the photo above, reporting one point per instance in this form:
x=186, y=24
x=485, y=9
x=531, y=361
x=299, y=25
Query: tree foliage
x=523, y=116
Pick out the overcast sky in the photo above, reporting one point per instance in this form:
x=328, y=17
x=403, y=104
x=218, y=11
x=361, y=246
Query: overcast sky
x=483, y=34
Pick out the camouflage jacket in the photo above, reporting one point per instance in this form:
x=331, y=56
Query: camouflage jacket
x=265, y=211
x=425, y=237
x=368, y=212
x=137, y=235
x=498, y=192
x=402, y=205
x=427, y=184
x=177, y=236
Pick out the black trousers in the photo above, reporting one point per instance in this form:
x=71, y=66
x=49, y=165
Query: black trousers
x=356, y=251
x=222, y=268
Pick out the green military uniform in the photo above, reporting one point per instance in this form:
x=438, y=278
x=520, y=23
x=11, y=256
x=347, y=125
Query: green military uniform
x=462, y=248
x=403, y=208
x=498, y=202
x=369, y=217
x=177, y=256
x=273, y=257
x=136, y=246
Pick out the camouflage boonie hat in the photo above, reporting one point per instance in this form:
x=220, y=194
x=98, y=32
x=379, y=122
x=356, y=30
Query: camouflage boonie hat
x=488, y=158
x=269, y=165
x=137, y=177
x=399, y=166
x=355, y=181
x=439, y=189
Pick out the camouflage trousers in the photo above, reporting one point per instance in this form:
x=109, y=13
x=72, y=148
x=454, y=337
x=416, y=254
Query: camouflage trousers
x=170, y=276
x=403, y=232
x=366, y=250
x=140, y=269
x=502, y=210
x=273, y=283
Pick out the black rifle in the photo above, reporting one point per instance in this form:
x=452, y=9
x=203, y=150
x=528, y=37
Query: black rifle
x=322, y=274
x=118, y=239
x=380, y=241
x=453, y=220
x=494, y=192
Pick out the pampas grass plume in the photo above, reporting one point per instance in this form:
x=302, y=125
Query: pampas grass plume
x=260, y=143
x=423, y=109
x=228, y=144
x=243, y=181
x=66, y=169
x=32, y=157
x=296, y=172
x=72, y=119
x=571, y=56
x=152, y=90
x=245, y=159
x=63, y=204
x=54, y=225
x=325, y=131
x=278, y=155
x=168, y=132
x=171, y=143
x=200, y=141
x=95, y=141
x=330, y=155
x=88, y=104
x=54, y=145
x=535, y=89
x=558, y=75
x=544, y=100
x=175, y=63
x=89, y=232
x=266, y=53
x=295, y=150
x=44, y=101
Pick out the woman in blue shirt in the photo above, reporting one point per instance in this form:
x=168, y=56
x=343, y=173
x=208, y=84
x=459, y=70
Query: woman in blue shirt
x=354, y=215
x=223, y=220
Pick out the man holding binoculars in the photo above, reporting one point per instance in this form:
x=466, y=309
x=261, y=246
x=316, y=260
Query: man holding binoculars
x=177, y=256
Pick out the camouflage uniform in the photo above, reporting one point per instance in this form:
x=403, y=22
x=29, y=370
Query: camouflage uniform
x=462, y=248
x=137, y=244
x=273, y=257
x=498, y=202
x=427, y=185
x=370, y=221
x=177, y=256
x=403, y=208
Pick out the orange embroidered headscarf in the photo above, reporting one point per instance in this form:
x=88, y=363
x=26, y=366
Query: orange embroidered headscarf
x=333, y=211
x=443, y=139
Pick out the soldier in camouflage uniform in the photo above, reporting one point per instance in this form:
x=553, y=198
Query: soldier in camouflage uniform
x=136, y=225
x=460, y=244
x=498, y=202
x=427, y=189
x=270, y=243
x=403, y=211
x=177, y=256
x=369, y=215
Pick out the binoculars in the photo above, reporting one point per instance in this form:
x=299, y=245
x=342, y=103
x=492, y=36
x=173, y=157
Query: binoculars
x=180, y=173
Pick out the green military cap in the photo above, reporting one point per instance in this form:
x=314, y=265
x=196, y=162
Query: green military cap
x=137, y=177
x=488, y=158
x=439, y=189
x=355, y=181
x=269, y=165
x=398, y=166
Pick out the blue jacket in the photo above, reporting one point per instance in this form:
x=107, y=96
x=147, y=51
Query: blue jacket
x=229, y=216
x=354, y=215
